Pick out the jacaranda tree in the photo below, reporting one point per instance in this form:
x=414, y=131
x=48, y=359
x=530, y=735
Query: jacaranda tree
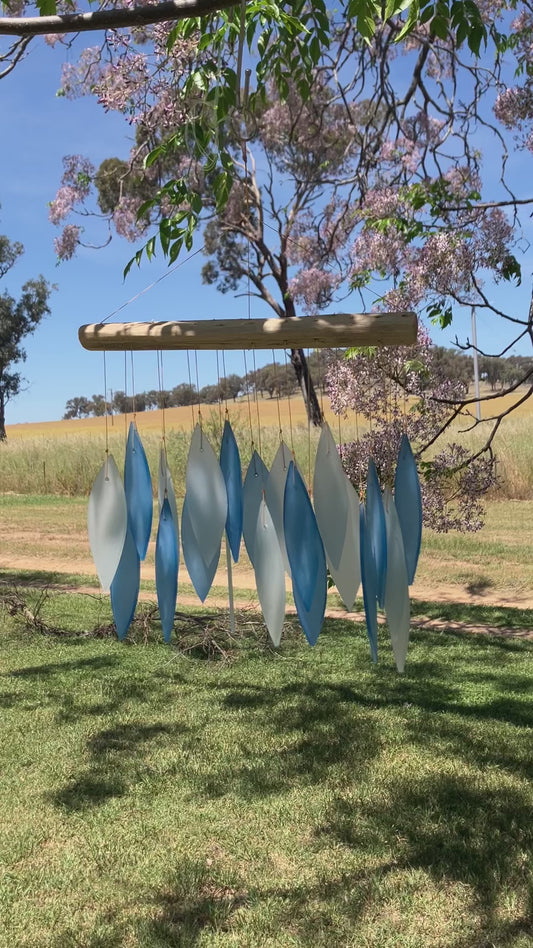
x=355, y=163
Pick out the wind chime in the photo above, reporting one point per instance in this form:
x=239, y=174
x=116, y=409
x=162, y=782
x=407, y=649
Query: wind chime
x=374, y=543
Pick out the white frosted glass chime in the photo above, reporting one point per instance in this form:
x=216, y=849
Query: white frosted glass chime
x=107, y=521
x=374, y=544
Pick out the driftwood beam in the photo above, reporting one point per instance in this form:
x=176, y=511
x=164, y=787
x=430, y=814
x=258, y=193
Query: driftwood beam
x=141, y=15
x=299, y=332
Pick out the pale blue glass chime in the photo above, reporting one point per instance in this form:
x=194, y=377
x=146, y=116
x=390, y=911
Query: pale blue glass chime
x=374, y=544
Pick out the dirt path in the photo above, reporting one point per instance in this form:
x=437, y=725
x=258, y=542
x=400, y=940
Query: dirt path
x=243, y=579
x=244, y=582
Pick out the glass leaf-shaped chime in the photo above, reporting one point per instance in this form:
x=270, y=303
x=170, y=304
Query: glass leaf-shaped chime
x=391, y=530
x=337, y=514
x=138, y=490
x=204, y=513
x=269, y=572
x=252, y=495
x=305, y=551
x=107, y=521
x=408, y=501
x=274, y=495
x=125, y=586
x=369, y=580
x=230, y=465
x=397, y=606
x=166, y=568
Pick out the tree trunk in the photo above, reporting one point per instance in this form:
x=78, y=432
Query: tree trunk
x=305, y=382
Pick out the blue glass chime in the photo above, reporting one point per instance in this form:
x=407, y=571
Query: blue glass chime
x=375, y=543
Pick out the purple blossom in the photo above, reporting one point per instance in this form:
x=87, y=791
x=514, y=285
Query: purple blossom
x=403, y=389
x=313, y=287
x=514, y=106
x=125, y=219
x=63, y=204
x=66, y=244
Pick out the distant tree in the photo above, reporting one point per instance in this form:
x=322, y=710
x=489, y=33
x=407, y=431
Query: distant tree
x=139, y=402
x=513, y=369
x=455, y=365
x=274, y=379
x=78, y=407
x=491, y=369
x=209, y=394
x=266, y=380
x=152, y=398
x=99, y=405
x=231, y=386
x=183, y=394
x=18, y=319
x=122, y=403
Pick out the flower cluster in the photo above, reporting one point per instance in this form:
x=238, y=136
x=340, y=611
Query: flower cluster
x=78, y=173
x=313, y=287
x=401, y=390
x=66, y=244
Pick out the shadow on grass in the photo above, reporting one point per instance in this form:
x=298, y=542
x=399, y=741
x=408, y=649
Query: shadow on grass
x=95, y=663
x=89, y=790
x=493, y=616
x=41, y=577
x=303, y=731
x=447, y=826
x=117, y=763
x=195, y=900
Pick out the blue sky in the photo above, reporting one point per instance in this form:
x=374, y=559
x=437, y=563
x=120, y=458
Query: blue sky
x=38, y=129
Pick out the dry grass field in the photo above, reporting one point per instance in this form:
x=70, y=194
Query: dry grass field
x=266, y=410
x=179, y=419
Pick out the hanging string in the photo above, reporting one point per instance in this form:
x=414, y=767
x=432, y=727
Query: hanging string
x=278, y=396
x=239, y=54
x=125, y=395
x=247, y=378
x=395, y=402
x=337, y=364
x=404, y=411
x=293, y=241
x=257, y=411
x=191, y=388
x=162, y=401
x=150, y=286
x=225, y=376
x=220, y=396
x=289, y=409
x=198, y=390
x=133, y=391
x=321, y=377
x=106, y=421
x=248, y=288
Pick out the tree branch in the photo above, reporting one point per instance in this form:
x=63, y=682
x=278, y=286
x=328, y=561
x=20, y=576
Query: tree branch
x=141, y=15
x=14, y=55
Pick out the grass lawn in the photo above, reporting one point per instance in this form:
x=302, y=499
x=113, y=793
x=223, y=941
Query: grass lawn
x=150, y=798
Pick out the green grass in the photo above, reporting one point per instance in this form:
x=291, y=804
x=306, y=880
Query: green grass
x=305, y=798
x=497, y=558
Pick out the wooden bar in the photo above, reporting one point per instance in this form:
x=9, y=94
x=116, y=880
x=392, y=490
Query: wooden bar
x=298, y=332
